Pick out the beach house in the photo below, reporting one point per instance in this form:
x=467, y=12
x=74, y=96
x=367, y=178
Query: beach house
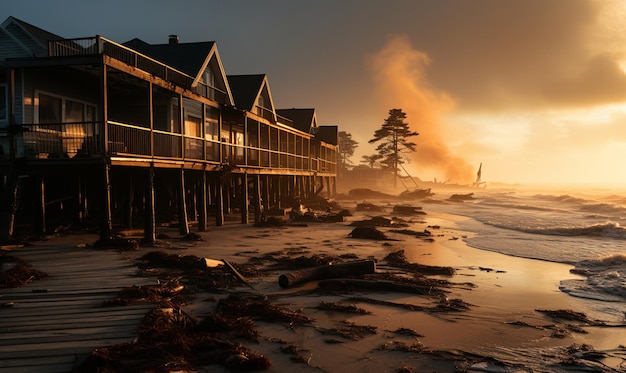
x=140, y=135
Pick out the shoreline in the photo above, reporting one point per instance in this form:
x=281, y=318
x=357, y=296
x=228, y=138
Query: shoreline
x=502, y=321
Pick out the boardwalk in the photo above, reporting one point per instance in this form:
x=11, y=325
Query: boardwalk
x=56, y=321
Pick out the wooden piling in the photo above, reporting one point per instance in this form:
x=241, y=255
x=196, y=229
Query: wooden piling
x=149, y=230
x=244, y=198
x=202, y=202
x=183, y=221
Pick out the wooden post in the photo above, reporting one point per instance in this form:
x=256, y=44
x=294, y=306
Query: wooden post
x=266, y=193
x=129, y=202
x=42, y=204
x=219, y=201
x=203, y=202
x=183, y=222
x=149, y=229
x=257, y=197
x=106, y=233
x=244, y=198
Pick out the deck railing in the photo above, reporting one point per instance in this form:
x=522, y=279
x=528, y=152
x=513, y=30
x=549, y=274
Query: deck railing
x=84, y=140
x=62, y=140
x=100, y=45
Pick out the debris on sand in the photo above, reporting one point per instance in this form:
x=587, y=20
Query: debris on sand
x=191, y=270
x=365, y=193
x=398, y=259
x=369, y=233
x=14, y=272
x=461, y=197
x=365, y=206
x=347, y=269
x=407, y=210
x=376, y=221
x=443, y=304
x=350, y=330
x=170, y=340
x=416, y=194
x=354, y=285
x=258, y=307
x=345, y=308
x=410, y=232
x=571, y=316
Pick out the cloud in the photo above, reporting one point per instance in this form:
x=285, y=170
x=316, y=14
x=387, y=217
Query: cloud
x=513, y=55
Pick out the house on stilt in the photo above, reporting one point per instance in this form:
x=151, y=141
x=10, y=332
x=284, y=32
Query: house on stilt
x=139, y=135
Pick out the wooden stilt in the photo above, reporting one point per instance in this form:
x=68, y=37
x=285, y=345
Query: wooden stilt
x=219, y=201
x=128, y=218
x=257, y=198
x=106, y=232
x=202, y=203
x=244, y=199
x=183, y=222
x=42, y=205
x=149, y=230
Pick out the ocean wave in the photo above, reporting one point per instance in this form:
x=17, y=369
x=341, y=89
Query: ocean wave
x=603, y=208
x=609, y=230
x=560, y=198
x=605, y=279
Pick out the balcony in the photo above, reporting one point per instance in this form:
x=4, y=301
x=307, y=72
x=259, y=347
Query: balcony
x=98, y=45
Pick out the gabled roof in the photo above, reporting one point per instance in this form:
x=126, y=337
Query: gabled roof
x=248, y=88
x=328, y=134
x=30, y=39
x=189, y=58
x=303, y=119
x=185, y=57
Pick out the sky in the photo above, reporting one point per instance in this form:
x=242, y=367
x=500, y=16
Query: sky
x=535, y=90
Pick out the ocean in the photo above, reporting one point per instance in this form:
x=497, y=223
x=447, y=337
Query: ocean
x=582, y=228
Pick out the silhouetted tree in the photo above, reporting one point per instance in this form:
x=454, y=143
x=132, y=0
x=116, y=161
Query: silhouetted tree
x=393, y=136
x=346, y=149
x=370, y=160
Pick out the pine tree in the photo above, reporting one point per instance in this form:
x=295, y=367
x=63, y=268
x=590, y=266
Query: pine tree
x=346, y=149
x=393, y=137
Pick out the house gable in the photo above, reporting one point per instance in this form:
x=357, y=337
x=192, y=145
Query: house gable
x=252, y=93
x=19, y=39
x=303, y=119
x=198, y=60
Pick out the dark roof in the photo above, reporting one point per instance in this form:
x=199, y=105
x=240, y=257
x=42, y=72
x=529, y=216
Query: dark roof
x=302, y=118
x=327, y=134
x=245, y=89
x=40, y=34
x=185, y=57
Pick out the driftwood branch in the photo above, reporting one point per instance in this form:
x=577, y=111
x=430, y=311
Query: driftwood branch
x=359, y=267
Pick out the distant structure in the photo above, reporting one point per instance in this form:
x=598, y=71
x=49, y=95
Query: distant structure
x=139, y=135
x=478, y=182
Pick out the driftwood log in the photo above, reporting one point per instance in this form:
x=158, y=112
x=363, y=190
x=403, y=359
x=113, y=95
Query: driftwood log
x=357, y=267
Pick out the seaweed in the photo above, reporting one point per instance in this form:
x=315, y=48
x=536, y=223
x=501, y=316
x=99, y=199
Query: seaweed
x=398, y=259
x=15, y=272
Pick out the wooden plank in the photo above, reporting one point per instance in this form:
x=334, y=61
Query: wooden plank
x=63, y=326
x=58, y=318
x=72, y=314
x=34, y=361
x=33, y=338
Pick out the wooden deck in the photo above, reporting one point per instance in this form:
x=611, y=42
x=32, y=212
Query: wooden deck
x=54, y=322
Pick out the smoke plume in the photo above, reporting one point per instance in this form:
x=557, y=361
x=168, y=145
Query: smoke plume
x=399, y=73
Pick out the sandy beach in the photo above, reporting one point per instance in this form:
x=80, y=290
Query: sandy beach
x=501, y=329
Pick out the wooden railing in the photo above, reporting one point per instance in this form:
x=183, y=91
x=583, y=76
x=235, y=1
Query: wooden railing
x=100, y=45
x=84, y=140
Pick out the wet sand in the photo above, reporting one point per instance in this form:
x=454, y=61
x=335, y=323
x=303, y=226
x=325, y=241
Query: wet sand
x=503, y=322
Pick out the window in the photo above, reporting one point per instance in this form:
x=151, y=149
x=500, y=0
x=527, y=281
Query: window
x=50, y=109
x=66, y=123
x=57, y=110
x=4, y=104
x=211, y=123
